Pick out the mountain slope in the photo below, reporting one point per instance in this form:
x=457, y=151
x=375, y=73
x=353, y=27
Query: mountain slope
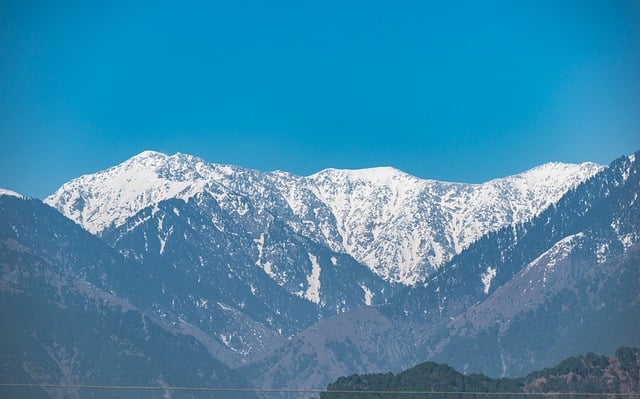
x=211, y=277
x=520, y=297
x=577, y=259
x=74, y=311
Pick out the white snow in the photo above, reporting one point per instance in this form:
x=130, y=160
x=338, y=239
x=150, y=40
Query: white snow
x=602, y=252
x=260, y=244
x=396, y=223
x=313, y=280
x=400, y=226
x=10, y=193
x=202, y=303
x=627, y=240
x=163, y=240
x=162, y=235
x=226, y=340
x=558, y=252
x=486, y=278
x=368, y=295
x=267, y=269
x=226, y=308
x=108, y=198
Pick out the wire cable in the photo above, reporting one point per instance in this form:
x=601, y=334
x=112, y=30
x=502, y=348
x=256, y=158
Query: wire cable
x=309, y=391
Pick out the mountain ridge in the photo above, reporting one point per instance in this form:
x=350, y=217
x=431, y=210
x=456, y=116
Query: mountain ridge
x=366, y=213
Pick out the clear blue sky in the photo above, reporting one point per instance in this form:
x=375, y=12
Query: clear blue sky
x=451, y=90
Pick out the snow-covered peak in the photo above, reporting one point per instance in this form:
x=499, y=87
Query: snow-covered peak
x=148, y=154
x=108, y=198
x=403, y=226
x=10, y=193
x=556, y=172
x=381, y=174
x=356, y=188
x=177, y=167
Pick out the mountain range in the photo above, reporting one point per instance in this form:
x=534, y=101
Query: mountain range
x=267, y=278
x=399, y=226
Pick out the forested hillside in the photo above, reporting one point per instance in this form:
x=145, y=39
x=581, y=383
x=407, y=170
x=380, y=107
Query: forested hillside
x=582, y=375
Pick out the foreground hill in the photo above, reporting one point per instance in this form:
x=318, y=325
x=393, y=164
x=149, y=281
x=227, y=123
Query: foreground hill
x=590, y=374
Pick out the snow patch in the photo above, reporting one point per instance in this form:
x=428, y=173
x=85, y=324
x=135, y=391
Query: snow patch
x=558, y=252
x=627, y=240
x=202, y=303
x=10, y=193
x=368, y=295
x=226, y=307
x=163, y=237
x=226, y=340
x=260, y=243
x=486, y=278
x=267, y=269
x=313, y=280
x=601, y=252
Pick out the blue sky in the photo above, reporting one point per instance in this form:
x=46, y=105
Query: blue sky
x=459, y=91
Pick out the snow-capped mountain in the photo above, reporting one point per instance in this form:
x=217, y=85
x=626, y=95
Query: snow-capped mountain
x=266, y=271
x=403, y=227
x=399, y=226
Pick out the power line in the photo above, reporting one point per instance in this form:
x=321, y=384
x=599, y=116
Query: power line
x=308, y=390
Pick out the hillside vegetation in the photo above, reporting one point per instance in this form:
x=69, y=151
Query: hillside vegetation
x=582, y=375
